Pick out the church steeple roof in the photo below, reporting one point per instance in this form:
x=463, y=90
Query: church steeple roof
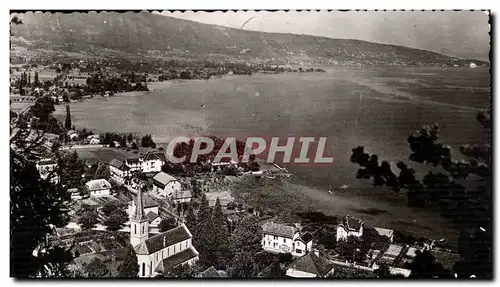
x=139, y=209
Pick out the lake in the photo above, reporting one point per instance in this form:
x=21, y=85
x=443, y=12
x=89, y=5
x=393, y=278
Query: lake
x=375, y=108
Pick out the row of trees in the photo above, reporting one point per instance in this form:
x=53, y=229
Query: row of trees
x=114, y=216
x=234, y=247
x=470, y=208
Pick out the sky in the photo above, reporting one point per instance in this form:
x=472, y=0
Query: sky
x=454, y=33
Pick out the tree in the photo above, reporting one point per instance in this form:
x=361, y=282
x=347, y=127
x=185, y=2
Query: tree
x=36, y=206
x=425, y=266
x=114, y=216
x=87, y=216
x=213, y=241
x=247, y=236
x=134, y=145
x=242, y=265
x=112, y=144
x=191, y=219
x=129, y=267
x=130, y=138
x=146, y=141
x=37, y=82
x=351, y=249
x=447, y=189
x=71, y=170
x=183, y=271
x=42, y=109
x=167, y=224
x=204, y=212
x=123, y=142
x=67, y=122
x=96, y=269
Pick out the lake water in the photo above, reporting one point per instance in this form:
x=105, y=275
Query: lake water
x=375, y=108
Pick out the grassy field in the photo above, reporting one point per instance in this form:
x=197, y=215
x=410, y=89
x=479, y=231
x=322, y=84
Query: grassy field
x=104, y=155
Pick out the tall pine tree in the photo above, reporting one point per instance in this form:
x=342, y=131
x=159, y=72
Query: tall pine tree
x=36, y=206
x=67, y=122
x=71, y=169
x=129, y=267
x=213, y=242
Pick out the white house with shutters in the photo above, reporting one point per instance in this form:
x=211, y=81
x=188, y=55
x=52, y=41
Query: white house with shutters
x=166, y=185
x=153, y=161
x=280, y=238
x=162, y=252
x=98, y=187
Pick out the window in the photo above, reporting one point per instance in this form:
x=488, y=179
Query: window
x=143, y=269
x=275, y=244
x=275, y=237
x=299, y=251
x=174, y=248
x=168, y=252
x=143, y=229
x=135, y=229
x=284, y=240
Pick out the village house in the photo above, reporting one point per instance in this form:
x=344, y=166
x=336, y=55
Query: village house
x=47, y=167
x=163, y=251
x=181, y=196
x=134, y=163
x=72, y=135
x=165, y=185
x=98, y=187
x=119, y=171
x=211, y=272
x=310, y=266
x=389, y=233
x=223, y=196
x=280, y=238
x=153, y=161
x=391, y=255
x=349, y=227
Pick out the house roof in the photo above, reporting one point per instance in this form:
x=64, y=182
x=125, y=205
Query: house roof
x=132, y=160
x=162, y=240
x=151, y=216
x=313, y=264
x=278, y=229
x=412, y=252
x=385, y=232
x=183, y=193
x=176, y=259
x=47, y=161
x=351, y=223
x=306, y=237
x=115, y=163
x=393, y=250
x=98, y=184
x=163, y=178
x=154, y=156
x=148, y=201
x=210, y=273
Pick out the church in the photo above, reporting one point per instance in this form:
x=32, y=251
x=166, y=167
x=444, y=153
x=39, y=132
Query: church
x=160, y=252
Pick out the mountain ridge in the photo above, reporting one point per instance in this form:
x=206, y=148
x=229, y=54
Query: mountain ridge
x=147, y=33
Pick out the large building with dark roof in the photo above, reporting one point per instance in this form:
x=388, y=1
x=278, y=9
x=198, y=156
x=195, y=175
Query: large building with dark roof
x=161, y=252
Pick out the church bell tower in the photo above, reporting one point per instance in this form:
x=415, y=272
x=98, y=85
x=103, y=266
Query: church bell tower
x=139, y=224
